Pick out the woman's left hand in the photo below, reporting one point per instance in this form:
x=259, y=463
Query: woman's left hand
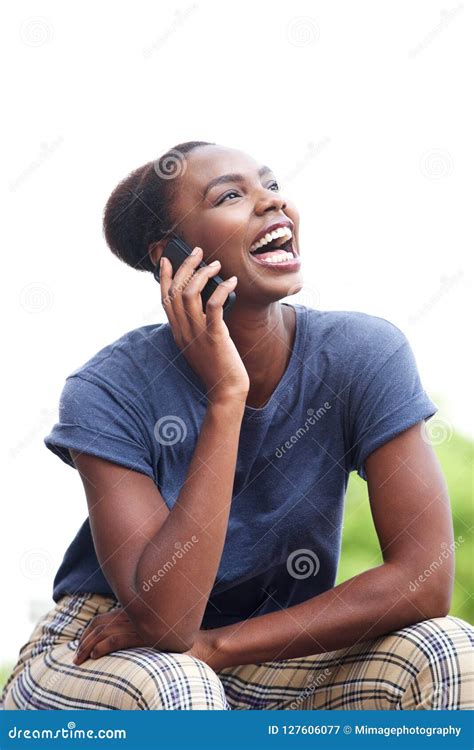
x=105, y=633
x=114, y=630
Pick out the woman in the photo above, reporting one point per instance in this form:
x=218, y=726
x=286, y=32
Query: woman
x=215, y=455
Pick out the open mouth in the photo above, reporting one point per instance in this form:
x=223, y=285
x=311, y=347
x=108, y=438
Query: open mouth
x=275, y=247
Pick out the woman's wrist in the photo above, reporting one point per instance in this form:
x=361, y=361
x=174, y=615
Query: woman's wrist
x=228, y=645
x=228, y=401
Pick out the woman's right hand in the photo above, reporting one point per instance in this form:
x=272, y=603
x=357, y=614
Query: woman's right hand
x=203, y=338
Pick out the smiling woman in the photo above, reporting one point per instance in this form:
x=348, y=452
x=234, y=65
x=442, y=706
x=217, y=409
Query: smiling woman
x=204, y=575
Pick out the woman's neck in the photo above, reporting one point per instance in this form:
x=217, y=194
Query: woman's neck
x=264, y=339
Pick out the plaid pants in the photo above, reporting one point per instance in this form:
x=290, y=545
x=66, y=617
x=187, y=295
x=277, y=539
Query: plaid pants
x=427, y=666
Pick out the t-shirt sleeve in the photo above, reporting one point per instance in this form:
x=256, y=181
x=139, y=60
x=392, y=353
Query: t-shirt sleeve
x=98, y=420
x=387, y=396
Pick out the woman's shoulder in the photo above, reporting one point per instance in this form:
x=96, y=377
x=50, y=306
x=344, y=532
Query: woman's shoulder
x=132, y=357
x=353, y=332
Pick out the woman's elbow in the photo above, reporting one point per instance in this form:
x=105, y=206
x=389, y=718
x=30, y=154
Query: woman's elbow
x=154, y=628
x=164, y=638
x=176, y=644
x=436, y=602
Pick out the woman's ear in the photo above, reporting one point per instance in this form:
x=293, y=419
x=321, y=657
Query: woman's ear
x=156, y=249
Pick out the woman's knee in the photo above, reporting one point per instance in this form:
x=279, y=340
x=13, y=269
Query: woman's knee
x=173, y=681
x=129, y=679
x=439, y=657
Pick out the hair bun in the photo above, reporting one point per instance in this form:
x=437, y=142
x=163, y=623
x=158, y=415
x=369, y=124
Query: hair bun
x=137, y=212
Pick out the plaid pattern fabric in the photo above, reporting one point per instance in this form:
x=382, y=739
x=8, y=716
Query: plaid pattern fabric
x=429, y=665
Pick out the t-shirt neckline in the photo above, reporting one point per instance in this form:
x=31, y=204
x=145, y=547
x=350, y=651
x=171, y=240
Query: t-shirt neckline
x=251, y=413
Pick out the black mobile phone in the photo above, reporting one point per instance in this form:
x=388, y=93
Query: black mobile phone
x=177, y=251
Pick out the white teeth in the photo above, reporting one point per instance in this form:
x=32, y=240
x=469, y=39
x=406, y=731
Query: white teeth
x=280, y=232
x=277, y=258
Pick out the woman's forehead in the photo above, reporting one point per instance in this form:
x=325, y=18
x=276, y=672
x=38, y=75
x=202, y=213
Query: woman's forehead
x=209, y=162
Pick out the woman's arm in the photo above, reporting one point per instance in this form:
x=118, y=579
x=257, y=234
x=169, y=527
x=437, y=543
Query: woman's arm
x=137, y=539
x=411, y=511
x=162, y=565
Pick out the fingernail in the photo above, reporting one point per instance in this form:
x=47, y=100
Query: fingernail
x=214, y=263
x=195, y=251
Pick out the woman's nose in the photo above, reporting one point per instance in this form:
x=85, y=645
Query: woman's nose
x=269, y=202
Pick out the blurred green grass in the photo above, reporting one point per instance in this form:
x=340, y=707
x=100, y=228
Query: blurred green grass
x=360, y=547
x=5, y=670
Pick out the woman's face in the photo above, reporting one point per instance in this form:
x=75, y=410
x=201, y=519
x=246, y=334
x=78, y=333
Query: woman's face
x=226, y=200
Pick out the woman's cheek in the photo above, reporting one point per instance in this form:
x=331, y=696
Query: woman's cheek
x=223, y=246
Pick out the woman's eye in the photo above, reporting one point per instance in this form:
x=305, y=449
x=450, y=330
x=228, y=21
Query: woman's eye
x=273, y=186
x=227, y=195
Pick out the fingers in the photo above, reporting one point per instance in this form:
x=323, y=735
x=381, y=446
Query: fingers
x=215, y=303
x=101, y=646
x=90, y=632
x=96, y=628
x=166, y=278
x=191, y=299
x=87, y=642
x=181, y=294
x=172, y=286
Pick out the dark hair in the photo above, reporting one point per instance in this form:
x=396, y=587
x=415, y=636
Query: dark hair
x=137, y=212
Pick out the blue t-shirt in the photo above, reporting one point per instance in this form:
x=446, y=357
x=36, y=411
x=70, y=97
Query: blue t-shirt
x=351, y=384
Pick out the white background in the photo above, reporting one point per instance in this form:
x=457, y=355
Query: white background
x=362, y=110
